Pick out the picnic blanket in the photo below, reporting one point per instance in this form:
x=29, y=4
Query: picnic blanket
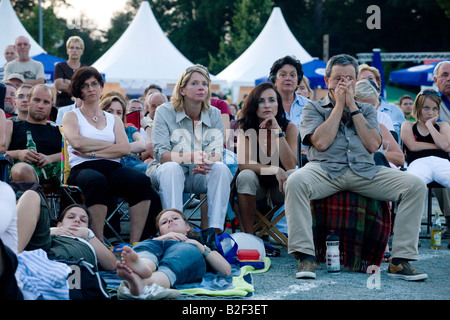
x=238, y=285
x=362, y=224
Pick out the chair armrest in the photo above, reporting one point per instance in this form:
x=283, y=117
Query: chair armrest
x=6, y=159
x=5, y=162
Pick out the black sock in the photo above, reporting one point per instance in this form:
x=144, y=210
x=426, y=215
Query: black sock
x=397, y=261
x=304, y=256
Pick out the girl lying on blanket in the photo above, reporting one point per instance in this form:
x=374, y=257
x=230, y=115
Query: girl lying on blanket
x=172, y=258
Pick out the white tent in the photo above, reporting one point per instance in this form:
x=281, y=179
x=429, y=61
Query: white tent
x=275, y=41
x=11, y=28
x=142, y=55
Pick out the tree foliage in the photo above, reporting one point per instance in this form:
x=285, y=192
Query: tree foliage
x=215, y=33
x=248, y=21
x=53, y=27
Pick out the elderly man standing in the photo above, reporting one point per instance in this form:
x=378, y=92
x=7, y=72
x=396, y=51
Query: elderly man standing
x=442, y=81
x=32, y=70
x=342, y=135
x=10, y=54
x=42, y=164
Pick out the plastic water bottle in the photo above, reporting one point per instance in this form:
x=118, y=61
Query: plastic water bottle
x=436, y=232
x=333, y=256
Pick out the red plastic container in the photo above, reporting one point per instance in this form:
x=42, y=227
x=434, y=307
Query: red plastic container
x=248, y=254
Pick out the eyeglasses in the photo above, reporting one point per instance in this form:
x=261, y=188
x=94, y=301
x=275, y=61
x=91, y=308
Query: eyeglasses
x=93, y=85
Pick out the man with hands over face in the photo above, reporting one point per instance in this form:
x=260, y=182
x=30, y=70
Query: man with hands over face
x=342, y=135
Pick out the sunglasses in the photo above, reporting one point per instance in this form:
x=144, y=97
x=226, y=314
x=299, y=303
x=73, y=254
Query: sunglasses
x=428, y=92
x=196, y=68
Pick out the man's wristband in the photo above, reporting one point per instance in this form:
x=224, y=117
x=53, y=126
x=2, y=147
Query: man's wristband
x=355, y=112
x=281, y=135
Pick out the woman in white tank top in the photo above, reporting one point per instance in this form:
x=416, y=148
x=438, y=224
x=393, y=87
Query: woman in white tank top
x=96, y=143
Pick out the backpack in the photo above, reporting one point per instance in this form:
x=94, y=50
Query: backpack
x=224, y=243
x=85, y=282
x=228, y=247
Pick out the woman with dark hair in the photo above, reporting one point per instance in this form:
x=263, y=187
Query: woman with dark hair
x=267, y=151
x=287, y=74
x=71, y=239
x=96, y=143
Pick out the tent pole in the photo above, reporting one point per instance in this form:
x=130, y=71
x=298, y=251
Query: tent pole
x=40, y=24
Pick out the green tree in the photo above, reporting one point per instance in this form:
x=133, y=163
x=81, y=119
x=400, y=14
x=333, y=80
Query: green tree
x=248, y=20
x=52, y=29
x=28, y=13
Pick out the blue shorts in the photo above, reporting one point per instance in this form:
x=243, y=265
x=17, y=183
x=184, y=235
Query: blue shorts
x=181, y=262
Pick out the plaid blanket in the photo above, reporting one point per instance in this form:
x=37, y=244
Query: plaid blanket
x=362, y=224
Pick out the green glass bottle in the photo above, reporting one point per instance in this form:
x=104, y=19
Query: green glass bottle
x=30, y=142
x=31, y=145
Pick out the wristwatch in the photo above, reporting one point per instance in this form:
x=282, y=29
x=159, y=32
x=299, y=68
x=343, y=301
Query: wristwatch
x=355, y=112
x=90, y=235
x=207, y=251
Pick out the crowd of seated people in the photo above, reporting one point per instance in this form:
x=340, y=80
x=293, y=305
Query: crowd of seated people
x=181, y=147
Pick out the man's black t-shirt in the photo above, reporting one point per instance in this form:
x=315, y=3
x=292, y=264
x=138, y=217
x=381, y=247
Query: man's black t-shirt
x=47, y=137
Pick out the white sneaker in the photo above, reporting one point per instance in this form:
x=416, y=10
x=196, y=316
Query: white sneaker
x=152, y=292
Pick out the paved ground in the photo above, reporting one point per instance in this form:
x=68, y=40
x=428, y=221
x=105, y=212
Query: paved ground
x=280, y=283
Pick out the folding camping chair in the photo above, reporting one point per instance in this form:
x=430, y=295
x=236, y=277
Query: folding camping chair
x=5, y=162
x=432, y=185
x=266, y=223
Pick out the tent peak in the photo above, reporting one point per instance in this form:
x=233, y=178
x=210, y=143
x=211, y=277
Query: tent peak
x=11, y=29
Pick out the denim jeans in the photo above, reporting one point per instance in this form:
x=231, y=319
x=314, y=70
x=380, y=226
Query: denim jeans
x=181, y=262
x=134, y=162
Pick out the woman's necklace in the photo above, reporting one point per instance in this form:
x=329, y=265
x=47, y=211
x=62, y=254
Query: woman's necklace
x=94, y=118
x=74, y=65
